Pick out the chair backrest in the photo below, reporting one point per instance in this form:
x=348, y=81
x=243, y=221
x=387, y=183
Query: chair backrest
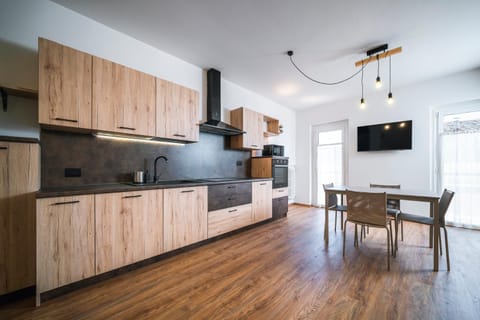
x=391, y=203
x=444, y=203
x=332, y=200
x=367, y=207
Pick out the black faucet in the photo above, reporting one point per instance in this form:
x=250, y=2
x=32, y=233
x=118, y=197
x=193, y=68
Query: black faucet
x=155, y=176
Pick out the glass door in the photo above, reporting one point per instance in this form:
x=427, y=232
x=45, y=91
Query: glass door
x=459, y=150
x=329, y=158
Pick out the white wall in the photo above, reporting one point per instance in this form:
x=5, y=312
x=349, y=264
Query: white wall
x=23, y=21
x=410, y=168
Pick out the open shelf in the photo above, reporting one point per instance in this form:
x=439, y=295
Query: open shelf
x=273, y=127
x=18, y=92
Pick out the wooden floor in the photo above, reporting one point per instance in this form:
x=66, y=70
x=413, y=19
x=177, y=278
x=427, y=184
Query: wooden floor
x=282, y=270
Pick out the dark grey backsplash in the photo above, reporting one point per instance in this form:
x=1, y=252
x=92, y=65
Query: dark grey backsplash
x=109, y=161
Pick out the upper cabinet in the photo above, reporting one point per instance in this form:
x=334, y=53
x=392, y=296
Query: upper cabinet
x=252, y=123
x=123, y=99
x=177, y=111
x=64, y=86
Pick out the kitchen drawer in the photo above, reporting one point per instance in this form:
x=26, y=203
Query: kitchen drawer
x=229, y=219
x=229, y=195
x=280, y=192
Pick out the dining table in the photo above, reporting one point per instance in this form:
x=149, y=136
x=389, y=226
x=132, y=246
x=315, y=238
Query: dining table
x=397, y=194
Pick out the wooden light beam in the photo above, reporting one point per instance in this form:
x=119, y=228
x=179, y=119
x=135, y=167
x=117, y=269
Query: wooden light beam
x=373, y=57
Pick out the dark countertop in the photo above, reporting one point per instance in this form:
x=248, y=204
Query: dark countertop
x=125, y=187
x=19, y=139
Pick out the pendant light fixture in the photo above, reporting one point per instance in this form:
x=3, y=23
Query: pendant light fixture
x=373, y=54
x=390, y=95
x=378, y=82
x=362, y=100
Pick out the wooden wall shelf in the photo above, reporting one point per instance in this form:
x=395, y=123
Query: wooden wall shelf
x=18, y=92
x=273, y=127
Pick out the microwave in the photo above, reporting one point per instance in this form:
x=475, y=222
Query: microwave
x=273, y=150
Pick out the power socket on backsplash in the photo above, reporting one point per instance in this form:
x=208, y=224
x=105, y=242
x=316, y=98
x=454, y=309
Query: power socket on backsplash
x=239, y=163
x=73, y=172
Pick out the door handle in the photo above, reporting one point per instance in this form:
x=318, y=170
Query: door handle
x=66, y=202
x=129, y=197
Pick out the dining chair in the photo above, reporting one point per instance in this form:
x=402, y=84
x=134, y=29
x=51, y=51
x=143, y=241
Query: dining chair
x=369, y=209
x=443, y=205
x=332, y=204
x=393, y=208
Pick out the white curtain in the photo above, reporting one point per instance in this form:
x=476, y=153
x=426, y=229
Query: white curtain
x=461, y=173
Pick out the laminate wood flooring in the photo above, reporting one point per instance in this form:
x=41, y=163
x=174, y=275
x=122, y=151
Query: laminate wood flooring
x=282, y=270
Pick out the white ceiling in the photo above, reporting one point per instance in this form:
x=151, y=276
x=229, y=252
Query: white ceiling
x=247, y=39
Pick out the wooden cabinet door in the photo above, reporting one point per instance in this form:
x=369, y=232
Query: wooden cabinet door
x=128, y=228
x=262, y=200
x=19, y=179
x=252, y=123
x=64, y=86
x=123, y=99
x=177, y=111
x=65, y=241
x=185, y=216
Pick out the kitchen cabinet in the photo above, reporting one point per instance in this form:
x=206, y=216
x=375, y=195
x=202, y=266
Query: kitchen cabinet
x=177, y=112
x=185, y=216
x=229, y=219
x=123, y=99
x=128, y=228
x=19, y=179
x=64, y=86
x=252, y=123
x=65, y=241
x=262, y=200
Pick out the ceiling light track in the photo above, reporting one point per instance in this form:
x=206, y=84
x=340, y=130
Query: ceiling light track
x=373, y=58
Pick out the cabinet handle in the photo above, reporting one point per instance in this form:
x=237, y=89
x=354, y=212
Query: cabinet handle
x=262, y=184
x=179, y=135
x=129, y=197
x=231, y=187
x=230, y=199
x=280, y=190
x=65, y=119
x=185, y=191
x=253, y=145
x=3, y=148
x=66, y=202
x=127, y=128
x=232, y=210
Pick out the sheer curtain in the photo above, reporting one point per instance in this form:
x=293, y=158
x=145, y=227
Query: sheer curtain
x=460, y=167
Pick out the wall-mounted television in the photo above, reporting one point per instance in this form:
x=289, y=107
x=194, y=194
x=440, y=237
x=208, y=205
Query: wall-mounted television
x=385, y=136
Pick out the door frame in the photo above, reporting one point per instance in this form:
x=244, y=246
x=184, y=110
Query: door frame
x=329, y=126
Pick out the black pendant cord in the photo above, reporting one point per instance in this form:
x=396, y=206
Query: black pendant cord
x=290, y=54
x=389, y=74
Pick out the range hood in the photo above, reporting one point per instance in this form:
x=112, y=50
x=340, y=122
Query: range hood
x=214, y=123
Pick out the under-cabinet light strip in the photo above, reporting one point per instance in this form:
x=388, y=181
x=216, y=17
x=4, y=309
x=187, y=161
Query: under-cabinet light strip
x=132, y=139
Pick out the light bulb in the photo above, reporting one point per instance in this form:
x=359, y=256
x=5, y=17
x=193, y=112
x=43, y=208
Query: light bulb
x=390, y=98
x=378, y=82
x=362, y=103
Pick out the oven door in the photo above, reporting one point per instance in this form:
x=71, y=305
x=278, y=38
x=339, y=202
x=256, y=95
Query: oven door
x=280, y=176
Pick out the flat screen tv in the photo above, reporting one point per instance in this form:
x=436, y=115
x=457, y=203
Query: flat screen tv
x=385, y=136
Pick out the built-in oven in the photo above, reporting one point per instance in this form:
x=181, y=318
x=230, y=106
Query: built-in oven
x=279, y=173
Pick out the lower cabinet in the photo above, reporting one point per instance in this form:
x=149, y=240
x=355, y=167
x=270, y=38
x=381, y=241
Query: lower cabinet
x=65, y=241
x=261, y=200
x=128, y=228
x=185, y=216
x=229, y=219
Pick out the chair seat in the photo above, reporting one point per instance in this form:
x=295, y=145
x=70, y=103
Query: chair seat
x=338, y=207
x=415, y=218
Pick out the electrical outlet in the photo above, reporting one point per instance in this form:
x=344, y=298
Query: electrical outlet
x=239, y=163
x=73, y=172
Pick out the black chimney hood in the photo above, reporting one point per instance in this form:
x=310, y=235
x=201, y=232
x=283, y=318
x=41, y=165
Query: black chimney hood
x=214, y=123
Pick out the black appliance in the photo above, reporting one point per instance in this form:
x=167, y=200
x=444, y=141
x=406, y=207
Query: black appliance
x=385, y=136
x=273, y=150
x=279, y=172
x=214, y=123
